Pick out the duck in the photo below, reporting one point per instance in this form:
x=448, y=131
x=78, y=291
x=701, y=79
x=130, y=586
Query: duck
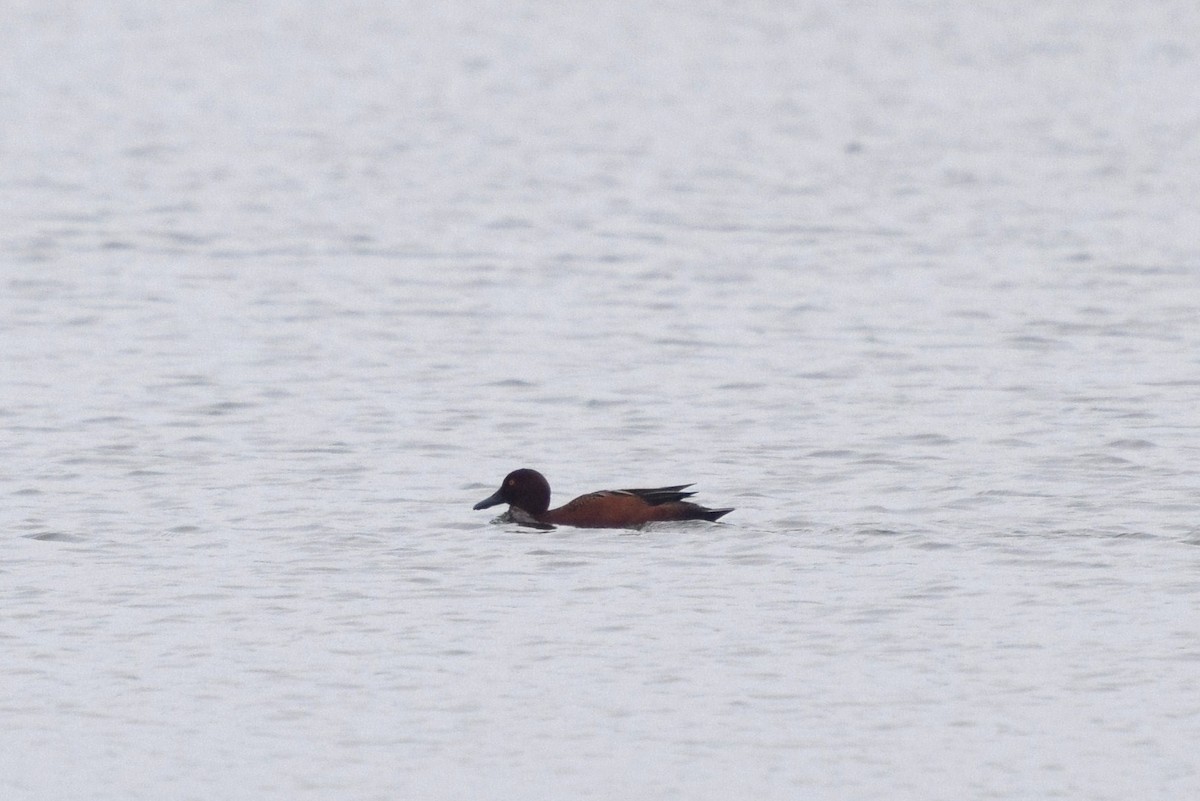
x=527, y=493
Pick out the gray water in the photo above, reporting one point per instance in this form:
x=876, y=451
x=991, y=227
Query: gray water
x=287, y=287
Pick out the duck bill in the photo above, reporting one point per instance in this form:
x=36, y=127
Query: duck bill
x=491, y=500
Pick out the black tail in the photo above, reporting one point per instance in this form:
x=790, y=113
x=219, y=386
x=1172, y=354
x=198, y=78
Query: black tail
x=712, y=515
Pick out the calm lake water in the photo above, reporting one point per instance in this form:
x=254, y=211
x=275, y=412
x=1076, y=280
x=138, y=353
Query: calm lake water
x=286, y=288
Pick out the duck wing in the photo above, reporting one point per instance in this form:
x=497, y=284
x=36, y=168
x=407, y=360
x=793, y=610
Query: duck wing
x=658, y=495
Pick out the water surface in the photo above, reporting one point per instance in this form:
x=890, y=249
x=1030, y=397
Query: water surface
x=283, y=292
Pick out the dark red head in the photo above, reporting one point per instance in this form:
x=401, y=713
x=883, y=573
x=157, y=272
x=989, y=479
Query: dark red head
x=525, y=489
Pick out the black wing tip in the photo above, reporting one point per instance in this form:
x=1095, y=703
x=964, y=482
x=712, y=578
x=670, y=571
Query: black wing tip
x=656, y=496
x=656, y=490
x=661, y=495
